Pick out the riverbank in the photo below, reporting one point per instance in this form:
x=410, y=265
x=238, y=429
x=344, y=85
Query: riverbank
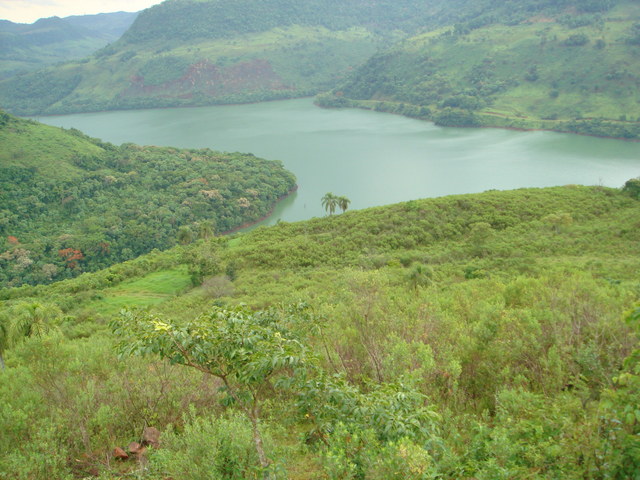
x=249, y=225
x=450, y=117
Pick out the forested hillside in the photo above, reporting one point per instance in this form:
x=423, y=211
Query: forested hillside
x=566, y=65
x=573, y=67
x=26, y=47
x=186, y=52
x=475, y=336
x=70, y=203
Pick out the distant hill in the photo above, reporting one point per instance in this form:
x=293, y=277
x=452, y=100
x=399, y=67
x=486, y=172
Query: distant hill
x=572, y=67
x=187, y=52
x=70, y=203
x=51, y=40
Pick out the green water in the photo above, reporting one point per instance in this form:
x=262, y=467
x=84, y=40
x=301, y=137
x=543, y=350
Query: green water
x=372, y=158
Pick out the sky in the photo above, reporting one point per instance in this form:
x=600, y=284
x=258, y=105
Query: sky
x=28, y=11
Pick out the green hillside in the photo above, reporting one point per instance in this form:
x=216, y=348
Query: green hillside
x=473, y=336
x=70, y=203
x=188, y=52
x=47, y=41
x=571, y=69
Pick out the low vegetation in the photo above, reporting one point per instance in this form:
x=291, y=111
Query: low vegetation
x=474, y=336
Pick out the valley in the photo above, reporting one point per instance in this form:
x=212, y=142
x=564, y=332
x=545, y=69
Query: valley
x=253, y=290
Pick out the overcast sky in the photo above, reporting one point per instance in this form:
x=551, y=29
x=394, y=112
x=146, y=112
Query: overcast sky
x=28, y=11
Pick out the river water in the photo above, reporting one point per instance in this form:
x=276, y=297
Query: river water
x=372, y=158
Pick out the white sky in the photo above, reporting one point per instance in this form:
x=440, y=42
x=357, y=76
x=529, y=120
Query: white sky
x=28, y=11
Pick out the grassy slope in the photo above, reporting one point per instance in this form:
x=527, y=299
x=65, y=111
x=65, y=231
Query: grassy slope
x=492, y=64
x=48, y=150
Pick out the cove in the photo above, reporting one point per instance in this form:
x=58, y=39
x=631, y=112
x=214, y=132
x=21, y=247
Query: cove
x=371, y=157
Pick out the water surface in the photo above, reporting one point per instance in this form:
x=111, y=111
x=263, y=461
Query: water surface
x=371, y=157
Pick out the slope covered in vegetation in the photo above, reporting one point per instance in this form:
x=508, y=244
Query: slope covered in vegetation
x=473, y=336
x=51, y=40
x=572, y=68
x=187, y=52
x=70, y=203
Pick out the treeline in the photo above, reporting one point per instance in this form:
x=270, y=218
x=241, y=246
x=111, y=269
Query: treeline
x=121, y=202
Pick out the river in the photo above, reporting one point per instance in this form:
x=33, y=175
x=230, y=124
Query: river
x=372, y=158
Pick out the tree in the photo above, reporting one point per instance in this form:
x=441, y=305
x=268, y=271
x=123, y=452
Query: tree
x=252, y=353
x=4, y=339
x=343, y=203
x=330, y=202
x=32, y=319
x=632, y=187
x=420, y=275
x=185, y=235
x=24, y=320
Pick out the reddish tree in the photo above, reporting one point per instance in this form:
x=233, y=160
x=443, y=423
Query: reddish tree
x=13, y=240
x=71, y=256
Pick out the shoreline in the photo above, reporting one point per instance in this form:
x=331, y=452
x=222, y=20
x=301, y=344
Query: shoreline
x=359, y=107
x=261, y=219
x=230, y=104
x=498, y=127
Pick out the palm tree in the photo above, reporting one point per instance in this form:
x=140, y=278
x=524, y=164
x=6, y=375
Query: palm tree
x=27, y=319
x=343, y=203
x=330, y=202
x=32, y=319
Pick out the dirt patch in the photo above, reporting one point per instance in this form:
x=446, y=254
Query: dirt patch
x=209, y=79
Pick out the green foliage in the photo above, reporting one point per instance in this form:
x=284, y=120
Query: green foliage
x=52, y=40
x=621, y=419
x=632, y=187
x=72, y=204
x=208, y=448
x=482, y=72
x=504, y=363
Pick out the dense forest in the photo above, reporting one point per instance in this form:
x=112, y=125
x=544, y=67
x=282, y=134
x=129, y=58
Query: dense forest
x=70, y=203
x=572, y=70
x=26, y=47
x=475, y=336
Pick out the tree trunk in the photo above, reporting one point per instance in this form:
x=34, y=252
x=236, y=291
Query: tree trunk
x=257, y=440
x=1, y=362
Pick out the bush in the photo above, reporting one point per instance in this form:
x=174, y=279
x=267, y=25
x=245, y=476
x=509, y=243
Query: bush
x=208, y=448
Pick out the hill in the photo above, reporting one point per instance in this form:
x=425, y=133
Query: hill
x=572, y=68
x=472, y=336
x=70, y=203
x=52, y=40
x=187, y=52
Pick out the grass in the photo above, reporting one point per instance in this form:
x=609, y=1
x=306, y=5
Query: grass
x=48, y=149
x=146, y=291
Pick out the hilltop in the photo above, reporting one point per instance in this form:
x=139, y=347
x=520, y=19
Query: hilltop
x=52, y=40
x=70, y=203
x=573, y=68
